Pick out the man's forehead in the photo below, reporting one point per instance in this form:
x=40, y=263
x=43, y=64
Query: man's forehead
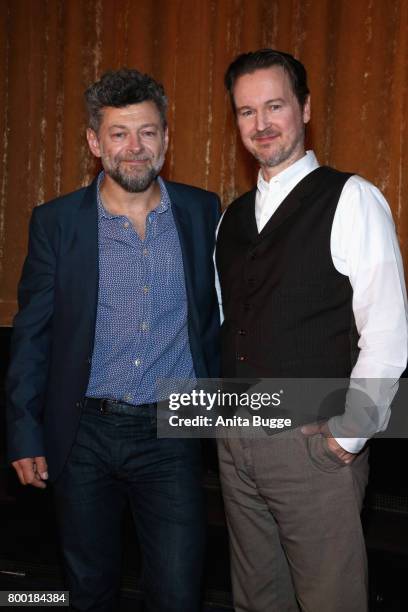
x=268, y=80
x=132, y=112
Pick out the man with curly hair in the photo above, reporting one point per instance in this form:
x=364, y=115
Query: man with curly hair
x=117, y=293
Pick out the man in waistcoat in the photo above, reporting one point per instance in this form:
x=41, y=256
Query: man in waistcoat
x=312, y=286
x=117, y=292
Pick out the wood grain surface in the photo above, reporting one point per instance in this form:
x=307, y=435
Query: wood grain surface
x=51, y=50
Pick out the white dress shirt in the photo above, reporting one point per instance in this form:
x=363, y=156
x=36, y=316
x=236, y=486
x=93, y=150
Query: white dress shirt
x=365, y=248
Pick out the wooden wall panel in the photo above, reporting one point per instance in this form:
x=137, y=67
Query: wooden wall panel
x=51, y=50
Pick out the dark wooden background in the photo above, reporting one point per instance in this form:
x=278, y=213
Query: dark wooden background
x=50, y=50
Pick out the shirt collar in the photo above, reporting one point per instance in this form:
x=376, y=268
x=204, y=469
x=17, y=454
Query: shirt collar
x=164, y=203
x=165, y=198
x=289, y=177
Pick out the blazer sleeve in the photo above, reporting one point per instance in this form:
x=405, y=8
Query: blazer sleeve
x=30, y=346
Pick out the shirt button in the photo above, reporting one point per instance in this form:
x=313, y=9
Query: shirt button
x=126, y=224
x=127, y=397
x=145, y=289
x=144, y=326
x=137, y=362
x=145, y=252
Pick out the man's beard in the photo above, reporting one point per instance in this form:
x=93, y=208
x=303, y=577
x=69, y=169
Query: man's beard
x=133, y=182
x=281, y=154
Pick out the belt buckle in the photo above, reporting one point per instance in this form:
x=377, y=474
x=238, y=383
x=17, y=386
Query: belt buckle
x=104, y=406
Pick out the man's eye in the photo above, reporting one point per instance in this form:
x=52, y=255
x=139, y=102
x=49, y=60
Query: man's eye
x=149, y=134
x=118, y=135
x=246, y=113
x=275, y=107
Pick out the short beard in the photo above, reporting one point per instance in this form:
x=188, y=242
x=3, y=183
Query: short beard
x=281, y=155
x=133, y=184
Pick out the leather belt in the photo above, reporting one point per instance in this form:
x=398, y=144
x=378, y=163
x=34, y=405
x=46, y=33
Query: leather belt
x=110, y=406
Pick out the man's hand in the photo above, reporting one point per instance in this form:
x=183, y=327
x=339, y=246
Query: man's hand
x=334, y=446
x=32, y=470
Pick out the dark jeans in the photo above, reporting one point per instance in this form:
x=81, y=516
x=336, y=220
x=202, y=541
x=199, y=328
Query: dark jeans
x=115, y=458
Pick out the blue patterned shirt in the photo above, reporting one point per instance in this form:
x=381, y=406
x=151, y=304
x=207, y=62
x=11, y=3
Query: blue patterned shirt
x=141, y=332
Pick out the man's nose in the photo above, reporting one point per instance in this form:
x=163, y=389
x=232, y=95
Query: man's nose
x=262, y=120
x=135, y=143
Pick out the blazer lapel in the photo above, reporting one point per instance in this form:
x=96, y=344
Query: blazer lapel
x=183, y=221
x=87, y=272
x=183, y=214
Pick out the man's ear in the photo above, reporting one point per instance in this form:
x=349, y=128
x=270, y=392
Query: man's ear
x=93, y=142
x=307, y=110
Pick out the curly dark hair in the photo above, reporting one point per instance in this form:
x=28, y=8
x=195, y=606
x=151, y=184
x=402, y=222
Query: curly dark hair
x=120, y=88
x=247, y=63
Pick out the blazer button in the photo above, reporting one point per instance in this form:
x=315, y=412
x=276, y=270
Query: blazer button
x=247, y=307
x=241, y=332
x=241, y=358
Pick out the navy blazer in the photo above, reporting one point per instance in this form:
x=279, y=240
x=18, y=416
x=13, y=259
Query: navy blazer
x=53, y=336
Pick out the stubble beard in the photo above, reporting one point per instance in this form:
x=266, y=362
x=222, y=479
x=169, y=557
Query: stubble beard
x=281, y=154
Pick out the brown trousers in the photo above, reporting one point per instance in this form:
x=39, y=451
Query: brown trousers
x=293, y=514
